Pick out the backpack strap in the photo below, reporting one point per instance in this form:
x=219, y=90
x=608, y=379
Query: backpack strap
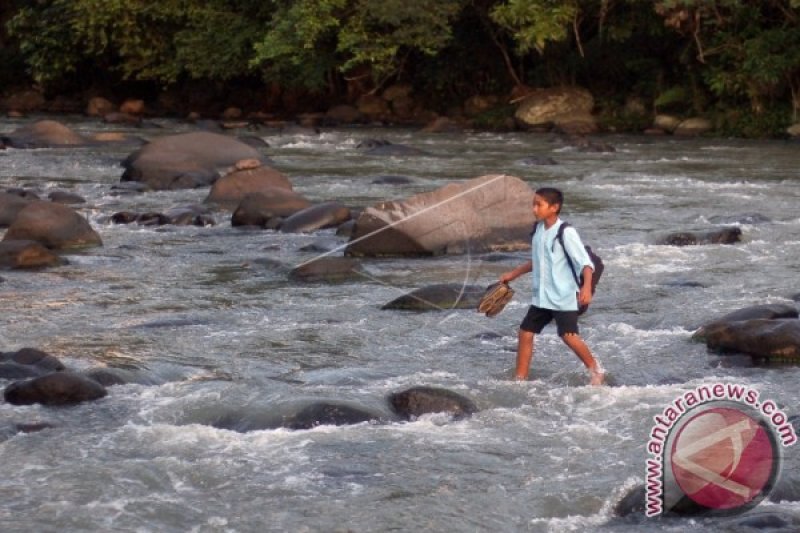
x=560, y=238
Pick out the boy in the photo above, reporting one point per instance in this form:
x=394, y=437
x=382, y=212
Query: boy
x=554, y=287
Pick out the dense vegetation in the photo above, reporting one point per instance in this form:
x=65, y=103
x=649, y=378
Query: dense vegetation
x=735, y=61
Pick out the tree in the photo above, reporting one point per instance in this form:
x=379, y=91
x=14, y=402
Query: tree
x=137, y=39
x=748, y=48
x=310, y=39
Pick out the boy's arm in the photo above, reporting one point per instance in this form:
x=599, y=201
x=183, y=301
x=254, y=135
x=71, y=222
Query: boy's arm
x=524, y=268
x=585, y=294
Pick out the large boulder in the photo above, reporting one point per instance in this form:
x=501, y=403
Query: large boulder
x=772, y=339
x=186, y=160
x=231, y=189
x=58, y=388
x=754, y=312
x=556, y=105
x=55, y=226
x=417, y=401
x=483, y=214
x=97, y=106
x=693, y=126
x=43, y=134
x=10, y=206
x=26, y=254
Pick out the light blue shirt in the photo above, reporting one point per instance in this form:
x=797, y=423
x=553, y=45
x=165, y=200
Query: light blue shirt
x=554, y=285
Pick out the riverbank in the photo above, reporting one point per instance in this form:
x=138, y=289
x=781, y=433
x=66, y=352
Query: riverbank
x=565, y=110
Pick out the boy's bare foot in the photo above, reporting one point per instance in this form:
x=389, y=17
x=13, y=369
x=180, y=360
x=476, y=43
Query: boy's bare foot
x=597, y=377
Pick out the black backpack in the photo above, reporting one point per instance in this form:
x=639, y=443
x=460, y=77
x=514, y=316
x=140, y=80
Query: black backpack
x=598, y=262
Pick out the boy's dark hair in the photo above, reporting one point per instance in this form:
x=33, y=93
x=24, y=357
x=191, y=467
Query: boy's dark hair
x=552, y=196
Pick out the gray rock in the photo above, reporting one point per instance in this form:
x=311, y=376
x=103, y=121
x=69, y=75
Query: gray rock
x=765, y=311
x=328, y=269
x=439, y=297
x=417, y=401
x=58, y=388
x=320, y=216
x=730, y=235
x=53, y=225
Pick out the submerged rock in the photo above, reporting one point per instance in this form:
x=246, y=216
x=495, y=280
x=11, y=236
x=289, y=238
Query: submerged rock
x=27, y=363
x=417, y=401
x=309, y=416
x=440, y=297
x=632, y=503
x=688, y=238
x=383, y=147
x=191, y=215
x=58, y=388
x=26, y=254
x=328, y=414
x=328, y=269
x=320, y=216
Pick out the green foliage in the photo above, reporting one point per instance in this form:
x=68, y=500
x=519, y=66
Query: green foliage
x=156, y=41
x=381, y=32
x=684, y=55
x=770, y=123
x=748, y=49
x=497, y=118
x=309, y=38
x=674, y=98
x=533, y=23
x=299, y=46
x=46, y=41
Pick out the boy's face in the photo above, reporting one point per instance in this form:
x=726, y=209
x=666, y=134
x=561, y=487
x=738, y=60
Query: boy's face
x=543, y=210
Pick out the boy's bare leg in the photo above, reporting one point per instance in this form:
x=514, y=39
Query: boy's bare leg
x=524, y=354
x=577, y=345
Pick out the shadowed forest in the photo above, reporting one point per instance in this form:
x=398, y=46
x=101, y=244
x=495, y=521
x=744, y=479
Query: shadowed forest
x=733, y=62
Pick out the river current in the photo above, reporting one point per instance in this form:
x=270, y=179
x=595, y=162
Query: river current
x=215, y=326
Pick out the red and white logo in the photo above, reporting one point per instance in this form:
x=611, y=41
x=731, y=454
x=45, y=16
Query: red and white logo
x=724, y=459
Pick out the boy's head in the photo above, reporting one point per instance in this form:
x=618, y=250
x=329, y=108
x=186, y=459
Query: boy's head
x=552, y=196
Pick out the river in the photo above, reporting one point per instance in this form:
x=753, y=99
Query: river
x=216, y=327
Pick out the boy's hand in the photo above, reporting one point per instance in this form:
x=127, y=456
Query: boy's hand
x=511, y=275
x=585, y=295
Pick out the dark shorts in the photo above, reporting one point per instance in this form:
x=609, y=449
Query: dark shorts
x=537, y=318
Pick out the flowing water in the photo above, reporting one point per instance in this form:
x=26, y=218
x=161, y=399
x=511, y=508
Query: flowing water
x=209, y=317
